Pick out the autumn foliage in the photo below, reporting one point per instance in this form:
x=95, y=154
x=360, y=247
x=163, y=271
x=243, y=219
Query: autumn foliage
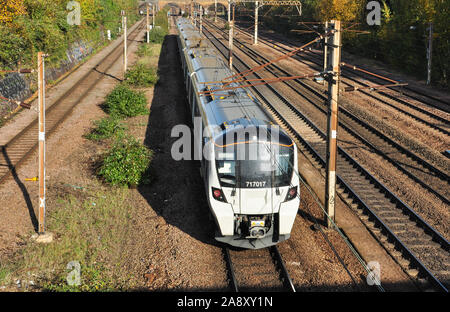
x=9, y=9
x=400, y=41
x=28, y=26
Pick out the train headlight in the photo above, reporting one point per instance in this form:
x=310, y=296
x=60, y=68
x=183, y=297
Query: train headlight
x=292, y=193
x=218, y=195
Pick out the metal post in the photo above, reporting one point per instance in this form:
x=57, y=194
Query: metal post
x=41, y=97
x=230, y=42
x=125, y=60
x=333, y=93
x=215, y=11
x=153, y=16
x=325, y=51
x=229, y=11
x=255, y=39
x=430, y=51
x=148, y=23
x=201, y=25
x=195, y=16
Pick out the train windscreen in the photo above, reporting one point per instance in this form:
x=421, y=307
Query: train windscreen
x=257, y=165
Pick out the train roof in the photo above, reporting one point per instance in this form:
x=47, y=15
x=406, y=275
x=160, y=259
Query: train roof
x=231, y=107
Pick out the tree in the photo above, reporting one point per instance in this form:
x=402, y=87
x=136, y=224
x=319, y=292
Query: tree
x=9, y=9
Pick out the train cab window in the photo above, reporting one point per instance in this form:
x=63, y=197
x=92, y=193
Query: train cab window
x=270, y=167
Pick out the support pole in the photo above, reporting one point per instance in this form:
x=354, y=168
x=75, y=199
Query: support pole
x=325, y=50
x=195, y=15
x=41, y=96
x=255, y=39
x=153, y=16
x=333, y=93
x=230, y=42
x=148, y=23
x=215, y=11
x=429, y=51
x=201, y=22
x=125, y=59
x=229, y=11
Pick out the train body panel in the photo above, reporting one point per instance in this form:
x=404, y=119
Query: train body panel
x=248, y=164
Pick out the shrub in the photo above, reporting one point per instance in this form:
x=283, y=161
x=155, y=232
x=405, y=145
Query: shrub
x=105, y=128
x=144, y=50
x=141, y=76
x=157, y=35
x=126, y=163
x=124, y=102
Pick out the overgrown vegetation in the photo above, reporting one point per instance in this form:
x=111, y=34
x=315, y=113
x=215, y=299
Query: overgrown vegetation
x=92, y=229
x=125, y=102
x=400, y=41
x=106, y=128
x=157, y=35
x=28, y=26
x=141, y=76
x=144, y=50
x=126, y=163
x=93, y=224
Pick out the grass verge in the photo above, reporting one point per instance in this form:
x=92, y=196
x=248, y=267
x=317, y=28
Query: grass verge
x=91, y=229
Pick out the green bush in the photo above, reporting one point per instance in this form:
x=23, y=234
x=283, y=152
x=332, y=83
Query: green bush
x=141, y=76
x=126, y=163
x=124, y=102
x=105, y=128
x=144, y=50
x=157, y=35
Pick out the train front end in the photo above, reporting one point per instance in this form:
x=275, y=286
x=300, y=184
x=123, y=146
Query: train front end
x=254, y=191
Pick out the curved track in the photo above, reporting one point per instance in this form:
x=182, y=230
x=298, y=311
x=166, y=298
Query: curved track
x=25, y=142
x=414, y=244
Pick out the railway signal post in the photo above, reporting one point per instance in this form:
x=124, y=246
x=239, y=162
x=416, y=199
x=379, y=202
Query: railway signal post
x=333, y=93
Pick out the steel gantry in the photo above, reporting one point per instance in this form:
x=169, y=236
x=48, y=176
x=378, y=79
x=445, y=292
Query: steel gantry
x=258, y=5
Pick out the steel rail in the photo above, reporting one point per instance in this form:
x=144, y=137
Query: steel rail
x=364, y=126
x=56, y=113
x=385, y=192
x=421, y=110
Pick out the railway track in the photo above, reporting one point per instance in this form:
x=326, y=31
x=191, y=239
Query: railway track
x=257, y=270
x=391, y=98
x=419, y=170
x=21, y=146
x=416, y=246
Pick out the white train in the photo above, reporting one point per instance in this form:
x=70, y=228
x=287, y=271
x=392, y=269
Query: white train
x=248, y=165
